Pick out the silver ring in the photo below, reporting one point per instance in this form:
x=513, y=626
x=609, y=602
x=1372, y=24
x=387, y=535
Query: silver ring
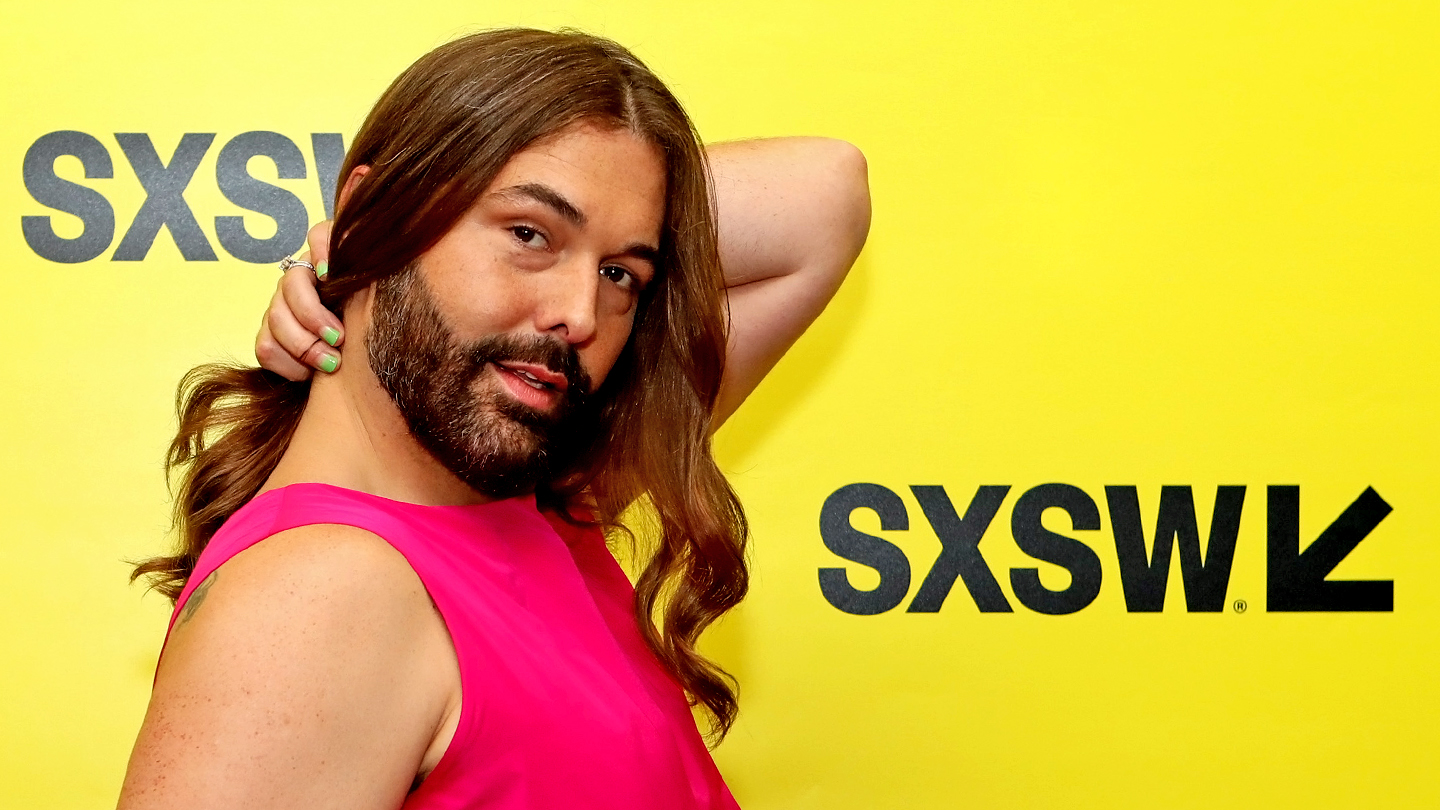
x=290, y=261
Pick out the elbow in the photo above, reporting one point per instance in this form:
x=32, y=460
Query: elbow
x=851, y=197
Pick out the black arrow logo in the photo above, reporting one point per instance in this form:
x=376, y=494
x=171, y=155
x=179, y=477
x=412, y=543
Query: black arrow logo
x=1295, y=580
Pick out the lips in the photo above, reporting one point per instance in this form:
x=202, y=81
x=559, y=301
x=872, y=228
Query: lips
x=536, y=376
x=535, y=387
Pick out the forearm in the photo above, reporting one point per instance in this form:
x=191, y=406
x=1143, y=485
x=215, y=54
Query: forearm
x=793, y=216
x=790, y=205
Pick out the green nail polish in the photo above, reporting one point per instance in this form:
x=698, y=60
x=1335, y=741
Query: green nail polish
x=328, y=363
x=330, y=335
x=321, y=271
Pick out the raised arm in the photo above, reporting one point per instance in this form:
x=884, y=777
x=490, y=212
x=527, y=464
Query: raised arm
x=793, y=215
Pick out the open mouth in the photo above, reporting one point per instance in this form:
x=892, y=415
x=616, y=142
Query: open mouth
x=538, y=377
x=527, y=377
x=532, y=385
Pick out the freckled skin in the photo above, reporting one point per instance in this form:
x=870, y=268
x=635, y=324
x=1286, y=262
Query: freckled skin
x=197, y=598
x=548, y=278
x=317, y=672
x=314, y=622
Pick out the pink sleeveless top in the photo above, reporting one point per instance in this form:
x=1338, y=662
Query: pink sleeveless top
x=563, y=705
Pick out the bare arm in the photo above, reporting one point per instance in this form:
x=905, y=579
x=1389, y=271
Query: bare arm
x=793, y=215
x=310, y=673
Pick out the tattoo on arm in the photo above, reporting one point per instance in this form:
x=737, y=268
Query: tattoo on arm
x=197, y=596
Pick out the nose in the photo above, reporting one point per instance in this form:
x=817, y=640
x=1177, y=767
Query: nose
x=568, y=301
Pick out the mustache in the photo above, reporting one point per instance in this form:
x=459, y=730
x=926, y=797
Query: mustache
x=555, y=355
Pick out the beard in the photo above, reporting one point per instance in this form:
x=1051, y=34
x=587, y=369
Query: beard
x=499, y=446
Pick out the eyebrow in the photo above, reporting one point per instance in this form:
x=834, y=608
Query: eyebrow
x=549, y=198
x=554, y=200
x=644, y=252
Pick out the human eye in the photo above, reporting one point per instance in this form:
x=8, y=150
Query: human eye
x=528, y=236
x=622, y=278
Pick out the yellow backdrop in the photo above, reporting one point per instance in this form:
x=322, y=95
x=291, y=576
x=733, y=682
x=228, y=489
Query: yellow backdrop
x=1116, y=245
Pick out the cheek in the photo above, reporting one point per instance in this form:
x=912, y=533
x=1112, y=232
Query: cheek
x=472, y=273
x=486, y=302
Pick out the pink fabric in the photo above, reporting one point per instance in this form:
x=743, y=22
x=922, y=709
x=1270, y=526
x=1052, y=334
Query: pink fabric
x=563, y=705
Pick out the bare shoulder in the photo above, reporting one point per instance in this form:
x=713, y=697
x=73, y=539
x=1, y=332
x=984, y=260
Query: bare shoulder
x=315, y=653
x=305, y=586
x=317, y=566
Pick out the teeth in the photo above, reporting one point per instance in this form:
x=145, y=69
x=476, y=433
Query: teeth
x=530, y=379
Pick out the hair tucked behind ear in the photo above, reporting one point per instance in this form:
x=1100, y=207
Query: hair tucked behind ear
x=433, y=143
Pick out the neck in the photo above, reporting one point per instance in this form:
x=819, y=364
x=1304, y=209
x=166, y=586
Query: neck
x=351, y=435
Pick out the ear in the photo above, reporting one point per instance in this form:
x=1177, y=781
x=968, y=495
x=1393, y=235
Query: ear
x=350, y=183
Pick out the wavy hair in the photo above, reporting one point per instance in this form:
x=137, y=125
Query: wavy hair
x=434, y=142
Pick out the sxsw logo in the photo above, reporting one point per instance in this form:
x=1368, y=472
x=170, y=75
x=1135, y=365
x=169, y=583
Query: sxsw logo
x=165, y=182
x=1296, y=579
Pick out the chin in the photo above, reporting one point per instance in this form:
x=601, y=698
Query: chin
x=499, y=457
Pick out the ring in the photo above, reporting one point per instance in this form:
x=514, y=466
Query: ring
x=290, y=261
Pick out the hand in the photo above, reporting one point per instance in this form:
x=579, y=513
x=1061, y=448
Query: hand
x=298, y=333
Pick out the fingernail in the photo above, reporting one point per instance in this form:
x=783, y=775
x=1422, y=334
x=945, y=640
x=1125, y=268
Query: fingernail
x=330, y=335
x=321, y=271
x=328, y=363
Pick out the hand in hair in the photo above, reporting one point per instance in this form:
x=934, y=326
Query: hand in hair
x=298, y=333
x=793, y=216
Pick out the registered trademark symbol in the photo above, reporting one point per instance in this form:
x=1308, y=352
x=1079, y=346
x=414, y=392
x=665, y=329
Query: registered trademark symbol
x=1240, y=606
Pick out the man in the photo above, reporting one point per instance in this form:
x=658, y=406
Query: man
x=416, y=604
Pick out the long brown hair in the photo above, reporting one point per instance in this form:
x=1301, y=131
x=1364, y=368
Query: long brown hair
x=434, y=141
